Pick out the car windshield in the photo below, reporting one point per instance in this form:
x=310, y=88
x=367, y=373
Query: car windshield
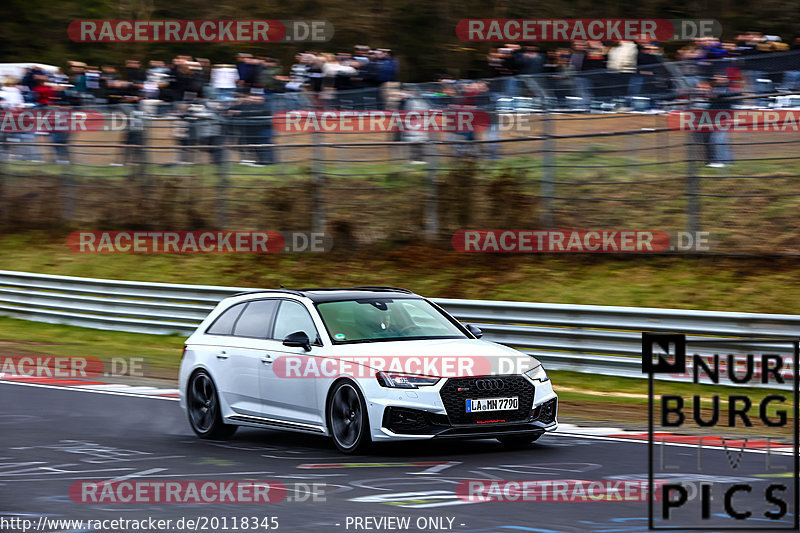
x=384, y=319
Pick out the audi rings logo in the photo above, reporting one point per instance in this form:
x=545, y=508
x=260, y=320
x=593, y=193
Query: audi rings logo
x=489, y=384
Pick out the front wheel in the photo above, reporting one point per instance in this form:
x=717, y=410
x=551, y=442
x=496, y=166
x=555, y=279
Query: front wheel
x=348, y=422
x=205, y=415
x=518, y=441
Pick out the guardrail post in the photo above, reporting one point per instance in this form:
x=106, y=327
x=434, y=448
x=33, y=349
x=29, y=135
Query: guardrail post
x=547, y=186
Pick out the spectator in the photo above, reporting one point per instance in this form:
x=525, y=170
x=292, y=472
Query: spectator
x=134, y=134
x=110, y=84
x=531, y=61
x=316, y=74
x=643, y=81
x=579, y=62
x=719, y=94
x=204, y=74
x=11, y=95
x=184, y=131
x=298, y=73
x=135, y=75
x=45, y=96
x=409, y=100
x=31, y=75
x=389, y=67
x=43, y=91
x=11, y=100
x=223, y=82
x=195, y=81
x=255, y=118
x=269, y=76
x=206, y=130
x=59, y=78
x=180, y=79
x=157, y=80
x=246, y=67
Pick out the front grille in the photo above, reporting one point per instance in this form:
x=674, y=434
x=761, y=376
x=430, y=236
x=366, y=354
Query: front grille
x=455, y=400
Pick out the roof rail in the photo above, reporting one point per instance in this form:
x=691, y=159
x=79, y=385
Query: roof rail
x=375, y=288
x=382, y=288
x=256, y=291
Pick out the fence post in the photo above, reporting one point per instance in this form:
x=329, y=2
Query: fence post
x=318, y=214
x=67, y=194
x=5, y=152
x=546, y=188
x=222, y=192
x=222, y=170
x=692, y=187
x=432, y=196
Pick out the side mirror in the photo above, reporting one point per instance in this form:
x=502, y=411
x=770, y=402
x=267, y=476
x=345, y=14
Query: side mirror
x=475, y=330
x=298, y=339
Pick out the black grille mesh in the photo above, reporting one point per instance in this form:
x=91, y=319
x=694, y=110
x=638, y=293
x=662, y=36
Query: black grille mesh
x=455, y=400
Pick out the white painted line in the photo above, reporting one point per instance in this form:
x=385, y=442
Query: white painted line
x=77, y=389
x=735, y=448
x=136, y=474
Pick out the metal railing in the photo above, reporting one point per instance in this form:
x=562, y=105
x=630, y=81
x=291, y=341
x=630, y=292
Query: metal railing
x=568, y=171
x=584, y=338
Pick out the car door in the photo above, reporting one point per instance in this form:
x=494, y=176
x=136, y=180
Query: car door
x=290, y=398
x=237, y=361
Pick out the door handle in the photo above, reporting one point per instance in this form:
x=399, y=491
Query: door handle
x=267, y=360
x=222, y=355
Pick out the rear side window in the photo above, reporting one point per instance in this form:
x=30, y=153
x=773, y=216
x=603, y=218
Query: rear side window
x=255, y=319
x=223, y=325
x=293, y=317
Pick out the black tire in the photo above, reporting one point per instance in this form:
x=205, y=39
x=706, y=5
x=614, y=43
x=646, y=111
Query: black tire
x=348, y=421
x=518, y=441
x=202, y=406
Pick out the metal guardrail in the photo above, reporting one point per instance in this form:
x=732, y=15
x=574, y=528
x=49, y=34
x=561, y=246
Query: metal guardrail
x=584, y=338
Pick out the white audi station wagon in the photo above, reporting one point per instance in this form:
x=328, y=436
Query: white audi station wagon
x=361, y=365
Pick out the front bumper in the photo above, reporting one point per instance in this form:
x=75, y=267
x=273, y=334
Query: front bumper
x=433, y=415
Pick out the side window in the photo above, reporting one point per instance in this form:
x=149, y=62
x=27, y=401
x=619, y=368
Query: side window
x=293, y=317
x=255, y=319
x=223, y=325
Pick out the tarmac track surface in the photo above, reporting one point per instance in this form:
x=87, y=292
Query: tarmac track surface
x=51, y=438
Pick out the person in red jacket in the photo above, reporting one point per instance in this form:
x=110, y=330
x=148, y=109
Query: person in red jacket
x=43, y=93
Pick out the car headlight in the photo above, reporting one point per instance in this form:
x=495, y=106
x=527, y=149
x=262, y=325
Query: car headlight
x=537, y=373
x=397, y=380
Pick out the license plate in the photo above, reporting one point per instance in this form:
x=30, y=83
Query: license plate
x=483, y=405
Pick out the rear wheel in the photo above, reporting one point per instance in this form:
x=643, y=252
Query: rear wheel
x=518, y=441
x=348, y=422
x=205, y=415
